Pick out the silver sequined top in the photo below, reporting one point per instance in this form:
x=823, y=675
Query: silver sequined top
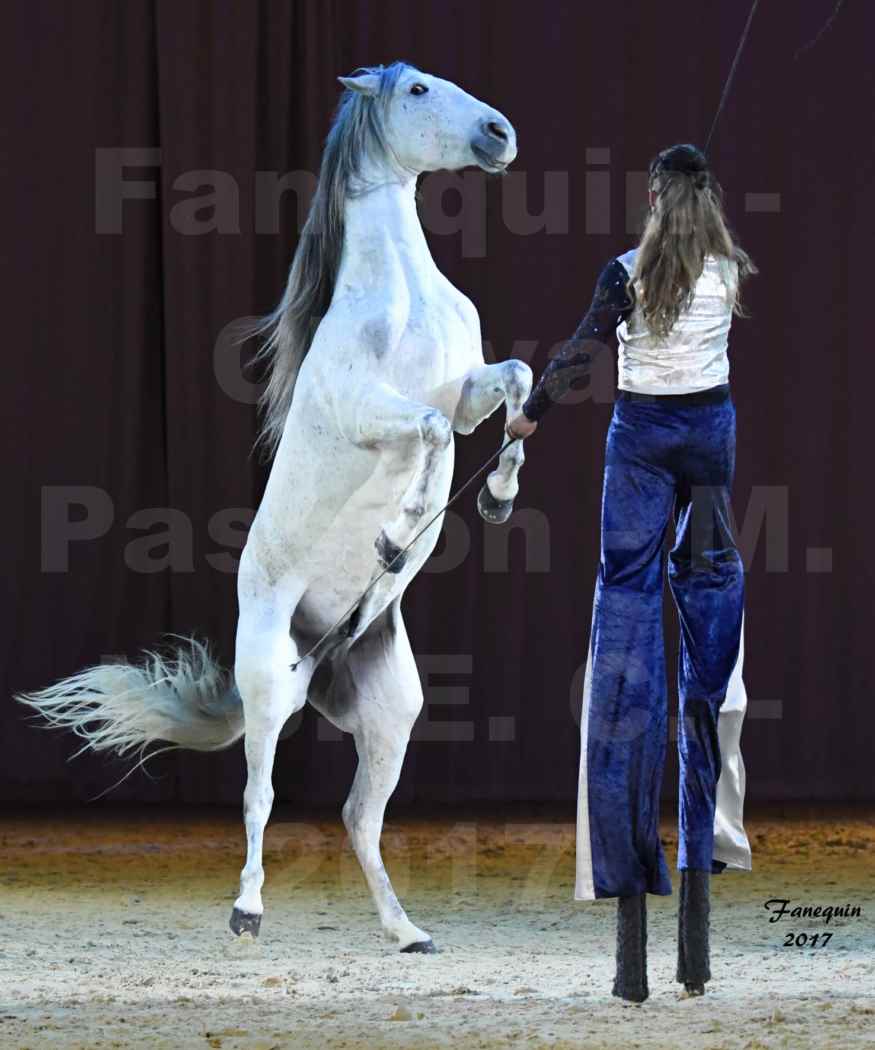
x=694, y=356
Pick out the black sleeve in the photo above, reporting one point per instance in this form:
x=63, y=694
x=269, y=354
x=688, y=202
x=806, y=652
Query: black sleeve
x=611, y=305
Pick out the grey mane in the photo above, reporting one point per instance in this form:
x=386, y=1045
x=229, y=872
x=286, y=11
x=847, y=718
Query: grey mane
x=357, y=131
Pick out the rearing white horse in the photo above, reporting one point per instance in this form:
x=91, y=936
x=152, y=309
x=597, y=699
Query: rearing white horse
x=375, y=359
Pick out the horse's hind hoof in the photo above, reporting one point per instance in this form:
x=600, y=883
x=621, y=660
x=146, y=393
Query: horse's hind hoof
x=245, y=922
x=390, y=554
x=495, y=511
x=421, y=948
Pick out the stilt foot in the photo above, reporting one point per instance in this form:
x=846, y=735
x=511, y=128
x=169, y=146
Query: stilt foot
x=630, y=982
x=694, y=964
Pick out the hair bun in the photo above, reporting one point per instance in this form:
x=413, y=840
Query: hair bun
x=684, y=159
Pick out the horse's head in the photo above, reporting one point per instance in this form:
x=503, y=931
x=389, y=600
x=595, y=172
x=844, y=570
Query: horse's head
x=432, y=124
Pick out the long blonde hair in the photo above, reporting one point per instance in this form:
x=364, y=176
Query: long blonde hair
x=686, y=224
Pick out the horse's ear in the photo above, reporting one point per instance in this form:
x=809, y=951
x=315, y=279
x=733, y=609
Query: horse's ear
x=366, y=84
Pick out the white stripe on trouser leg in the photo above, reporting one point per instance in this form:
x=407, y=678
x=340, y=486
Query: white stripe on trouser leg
x=584, y=890
x=730, y=840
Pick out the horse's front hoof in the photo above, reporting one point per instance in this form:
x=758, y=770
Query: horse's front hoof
x=245, y=922
x=390, y=555
x=421, y=948
x=495, y=511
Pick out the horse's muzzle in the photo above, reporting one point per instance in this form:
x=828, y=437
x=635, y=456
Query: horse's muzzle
x=494, y=144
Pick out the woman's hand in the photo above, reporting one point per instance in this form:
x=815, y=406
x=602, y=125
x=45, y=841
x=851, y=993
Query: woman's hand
x=520, y=427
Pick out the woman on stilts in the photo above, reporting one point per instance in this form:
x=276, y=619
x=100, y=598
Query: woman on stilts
x=670, y=454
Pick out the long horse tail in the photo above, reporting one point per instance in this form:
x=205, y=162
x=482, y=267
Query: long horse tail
x=181, y=697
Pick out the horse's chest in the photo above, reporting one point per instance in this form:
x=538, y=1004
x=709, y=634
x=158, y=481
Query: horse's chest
x=438, y=341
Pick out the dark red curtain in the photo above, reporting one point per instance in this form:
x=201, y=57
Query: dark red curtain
x=127, y=417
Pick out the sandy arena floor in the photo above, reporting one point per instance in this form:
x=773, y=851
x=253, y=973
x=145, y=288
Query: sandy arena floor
x=115, y=935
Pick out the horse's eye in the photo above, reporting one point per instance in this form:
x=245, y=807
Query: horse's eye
x=418, y=89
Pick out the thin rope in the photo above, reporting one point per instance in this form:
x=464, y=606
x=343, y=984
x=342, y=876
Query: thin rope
x=388, y=568
x=807, y=47
x=731, y=77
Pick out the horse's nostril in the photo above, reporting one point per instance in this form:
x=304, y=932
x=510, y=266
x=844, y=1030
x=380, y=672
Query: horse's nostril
x=496, y=130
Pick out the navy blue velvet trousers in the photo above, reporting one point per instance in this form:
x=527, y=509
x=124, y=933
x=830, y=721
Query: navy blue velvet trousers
x=667, y=460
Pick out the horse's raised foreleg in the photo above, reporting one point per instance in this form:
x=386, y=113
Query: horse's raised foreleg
x=271, y=693
x=410, y=436
x=377, y=696
x=474, y=399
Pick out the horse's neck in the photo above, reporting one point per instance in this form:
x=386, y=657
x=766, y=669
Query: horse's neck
x=383, y=235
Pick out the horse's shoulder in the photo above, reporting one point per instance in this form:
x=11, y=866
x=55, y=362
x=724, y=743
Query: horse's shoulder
x=376, y=326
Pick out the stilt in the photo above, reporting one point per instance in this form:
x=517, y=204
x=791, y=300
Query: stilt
x=630, y=982
x=694, y=967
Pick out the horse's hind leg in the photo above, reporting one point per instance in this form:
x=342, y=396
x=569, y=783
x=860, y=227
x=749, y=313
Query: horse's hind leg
x=271, y=693
x=377, y=696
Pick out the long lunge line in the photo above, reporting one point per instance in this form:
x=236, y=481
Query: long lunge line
x=313, y=648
